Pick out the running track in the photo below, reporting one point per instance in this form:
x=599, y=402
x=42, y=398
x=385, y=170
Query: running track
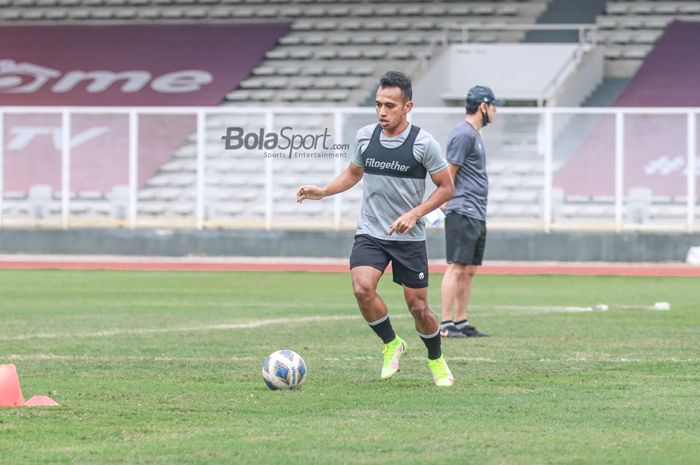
x=264, y=264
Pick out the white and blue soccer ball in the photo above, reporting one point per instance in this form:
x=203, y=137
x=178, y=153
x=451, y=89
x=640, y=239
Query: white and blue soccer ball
x=284, y=369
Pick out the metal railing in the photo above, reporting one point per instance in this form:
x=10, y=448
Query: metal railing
x=543, y=133
x=587, y=33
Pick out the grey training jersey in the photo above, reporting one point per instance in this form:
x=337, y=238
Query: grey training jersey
x=394, y=179
x=464, y=148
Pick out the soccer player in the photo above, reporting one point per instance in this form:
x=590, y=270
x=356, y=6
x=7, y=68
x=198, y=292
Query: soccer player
x=465, y=220
x=394, y=157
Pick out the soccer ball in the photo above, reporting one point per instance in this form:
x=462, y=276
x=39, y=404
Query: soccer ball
x=284, y=369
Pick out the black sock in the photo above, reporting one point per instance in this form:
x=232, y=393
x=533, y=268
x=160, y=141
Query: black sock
x=461, y=324
x=432, y=342
x=445, y=323
x=383, y=329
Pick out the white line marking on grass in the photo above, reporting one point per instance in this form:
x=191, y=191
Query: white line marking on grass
x=174, y=359
x=601, y=308
x=311, y=319
x=185, y=329
x=471, y=359
x=160, y=358
x=120, y=359
x=534, y=309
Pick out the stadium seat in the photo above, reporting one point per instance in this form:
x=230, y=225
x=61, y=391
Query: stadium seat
x=373, y=54
x=337, y=96
x=313, y=40
x=339, y=11
x=301, y=54
x=641, y=9
x=398, y=26
x=337, y=71
x=147, y=14
x=243, y=13
x=302, y=26
x=289, y=71
x=484, y=10
x=339, y=40
x=352, y=54
x=507, y=10
x=219, y=13
x=326, y=26
x=198, y=13
x=399, y=54
x=655, y=23
x=39, y=201
x=362, y=71
x=363, y=40
x=326, y=54
x=387, y=40
x=264, y=71
x=423, y=25
x=614, y=8
x=302, y=83
x=689, y=8
x=289, y=96
x=267, y=13
x=173, y=14
x=414, y=40
x=277, y=54
x=325, y=83
x=410, y=10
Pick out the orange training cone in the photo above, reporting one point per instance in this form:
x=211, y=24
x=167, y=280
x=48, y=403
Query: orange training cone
x=10, y=392
x=41, y=401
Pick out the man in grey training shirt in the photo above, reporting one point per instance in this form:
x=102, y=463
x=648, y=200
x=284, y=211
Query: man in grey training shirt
x=393, y=158
x=465, y=221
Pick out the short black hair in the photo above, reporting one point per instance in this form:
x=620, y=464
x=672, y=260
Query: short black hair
x=473, y=107
x=397, y=79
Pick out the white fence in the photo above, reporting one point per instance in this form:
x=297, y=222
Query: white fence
x=549, y=168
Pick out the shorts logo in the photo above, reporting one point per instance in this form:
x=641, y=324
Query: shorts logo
x=421, y=275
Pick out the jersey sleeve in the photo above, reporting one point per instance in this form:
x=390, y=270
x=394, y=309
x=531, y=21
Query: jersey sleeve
x=433, y=159
x=458, y=147
x=362, y=139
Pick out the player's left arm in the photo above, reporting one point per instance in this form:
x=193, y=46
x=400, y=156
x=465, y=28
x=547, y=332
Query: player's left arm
x=434, y=161
x=445, y=187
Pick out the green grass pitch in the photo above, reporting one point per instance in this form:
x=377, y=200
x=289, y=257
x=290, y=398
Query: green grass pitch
x=164, y=368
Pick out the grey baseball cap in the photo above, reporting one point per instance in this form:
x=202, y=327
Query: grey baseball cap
x=483, y=94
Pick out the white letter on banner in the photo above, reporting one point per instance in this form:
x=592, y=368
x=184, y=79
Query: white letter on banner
x=179, y=82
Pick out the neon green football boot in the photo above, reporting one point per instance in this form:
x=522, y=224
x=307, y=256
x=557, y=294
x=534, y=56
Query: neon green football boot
x=392, y=353
x=442, y=376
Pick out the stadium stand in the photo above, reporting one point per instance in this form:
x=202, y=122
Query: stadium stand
x=629, y=30
x=331, y=57
x=654, y=171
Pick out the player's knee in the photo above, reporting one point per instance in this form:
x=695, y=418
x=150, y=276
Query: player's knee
x=464, y=272
x=363, y=291
x=419, y=308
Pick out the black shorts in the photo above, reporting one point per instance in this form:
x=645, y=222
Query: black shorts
x=465, y=239
x=409, y=259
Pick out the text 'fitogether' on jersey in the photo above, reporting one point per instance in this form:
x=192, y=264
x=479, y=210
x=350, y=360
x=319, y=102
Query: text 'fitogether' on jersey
x=464, y=148
x=395, y=169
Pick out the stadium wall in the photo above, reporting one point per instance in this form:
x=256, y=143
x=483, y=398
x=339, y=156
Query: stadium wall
x=502, y=245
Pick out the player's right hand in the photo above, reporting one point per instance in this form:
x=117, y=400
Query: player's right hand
x=309, y=192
